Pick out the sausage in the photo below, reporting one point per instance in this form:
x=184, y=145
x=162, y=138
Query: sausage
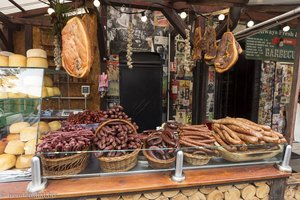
x=219, y=132
x=192, y=145
x=247, y=138
x=271, y=139
x=229, y=139
x=245, y=131
x=199, y=143
x=223, y=144
x=230, y=132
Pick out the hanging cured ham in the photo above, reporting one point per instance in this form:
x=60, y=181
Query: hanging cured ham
x=76, y=48
x=210, y=43
x=197, y=44
x=227, y=54
x=90, y=22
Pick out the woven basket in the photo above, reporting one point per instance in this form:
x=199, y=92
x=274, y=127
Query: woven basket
x=120, y=163
x=159, y=164
x=64, y=166
x=196, y=159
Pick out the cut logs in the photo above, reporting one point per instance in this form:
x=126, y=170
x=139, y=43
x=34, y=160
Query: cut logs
x=197, y=196
x=179, y=196
x=189, y=192
x=241, y=186
x=224, y=188
x=207, y=190
x=171, y=193
x=248, y=192
x=111, y=198
x=262, y=191
x=152, y=195
x=232, y=194
x=215, y=195
x=131, y=197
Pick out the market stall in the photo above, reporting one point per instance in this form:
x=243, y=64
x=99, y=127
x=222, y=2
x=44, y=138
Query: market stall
x=133, y=101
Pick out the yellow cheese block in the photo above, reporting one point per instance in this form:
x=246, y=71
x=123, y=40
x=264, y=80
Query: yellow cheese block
x=48, y=81
x=54, y=125
x=18, y=127
x=28, y=133
x=24, y=161
x=3, y=61
x=50, y=91
x=3, y=95
x=36, y=53
x=15, y=147
x=37, y=62
x=17, y=60
x=44, y=92
x=7, y=161
x=56, y=91
x=30, y=147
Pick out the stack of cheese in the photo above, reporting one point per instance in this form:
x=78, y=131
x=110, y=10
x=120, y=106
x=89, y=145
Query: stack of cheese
x=4, y=57
x=37, y=58
x=17, y=149
x=48, y=89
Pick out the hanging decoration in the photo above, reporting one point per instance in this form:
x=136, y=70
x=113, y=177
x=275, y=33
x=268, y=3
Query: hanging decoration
x=129, y=45
x=188, y=63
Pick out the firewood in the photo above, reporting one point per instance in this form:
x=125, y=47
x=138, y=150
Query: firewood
x=241, y=186
x=232, y=194
x=215, y=195
x=224, y=188
x=152, y=195
x=197, y=196
x=189, y=192
x=262, y=191
x=170, y=193
x=260, y=183
x=111, y=198
x=207, y=190
x=248, y=192
x=179, y=196
x=131, y=197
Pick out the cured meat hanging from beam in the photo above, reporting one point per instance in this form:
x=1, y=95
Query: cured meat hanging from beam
x=197, y=44
x=90, y=21
x=228, y=51
x=210, y=44
x=76, y=48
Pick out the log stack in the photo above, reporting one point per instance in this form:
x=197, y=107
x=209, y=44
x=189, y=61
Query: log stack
x=247, y=191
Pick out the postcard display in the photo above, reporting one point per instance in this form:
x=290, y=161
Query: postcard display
x=275, y=87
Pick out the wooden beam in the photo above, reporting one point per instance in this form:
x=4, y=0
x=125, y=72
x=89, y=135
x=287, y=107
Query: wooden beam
x=292, y=106
x=6, y=21
x=30, y=13
x=227, y=3
x=4, y=40
x=28, y=37
x=17, y=5
x=34, y=22
x=271, y=9
x=176, y=21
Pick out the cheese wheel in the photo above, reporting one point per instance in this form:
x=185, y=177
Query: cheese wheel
x=56, y=91
x=13, y=136
x=17, y=60
x=3, y=61
x=36, y=53
x=15, y=147
x=24, y=161
x=50, y=91
x=3, y=95
x=54, y=125
x=44, y=92
x=43, y=127
x=37, y=62
x=18, y=127
x=7, y=161
x=48, y=81
x=28, y=133
x=30, y=147
x=6, y=53
x=3, y=144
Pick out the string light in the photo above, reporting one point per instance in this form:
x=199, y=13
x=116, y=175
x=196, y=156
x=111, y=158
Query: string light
x=250, y=23
x=286, y=28
x=50, y=11
x=221, y=17
x=96, y=3
x=183, y=15
x=144, y=17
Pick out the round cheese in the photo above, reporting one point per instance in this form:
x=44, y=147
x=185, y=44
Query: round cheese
x=15, y=147
x=48, y=81
x=17, y=60
x=37, y=62
x=54, y=125
x=3, y=95
x=56, y=91
x=28, y=133
x=6, y=53
x=30, y=147
x=13, y=136
x=3, y=144
x=24, y=161
x=43, y=127
x=44, y=92
x=36, y=53
x=7, y=161
x=3, y=61
x=50, y=91
x=18, y=127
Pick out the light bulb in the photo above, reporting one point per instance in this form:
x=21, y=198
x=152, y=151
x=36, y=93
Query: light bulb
x=221, y=17
x=250, y=23
x=286, y=28
x=143, y=17
x=183, y=15
x=96, y=3
x=50, y=11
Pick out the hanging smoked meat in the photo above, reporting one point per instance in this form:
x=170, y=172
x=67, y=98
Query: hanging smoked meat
x=227, y=54
x=197, y=44
x=90, y=22
x=210, y=43
x=76, y=48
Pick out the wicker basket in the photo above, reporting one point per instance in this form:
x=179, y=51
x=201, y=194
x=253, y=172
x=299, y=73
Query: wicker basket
x=196, y=159
x=120, y=163
x=65, y=166
x=159, y=164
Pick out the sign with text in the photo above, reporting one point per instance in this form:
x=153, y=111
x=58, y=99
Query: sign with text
x=273, y=44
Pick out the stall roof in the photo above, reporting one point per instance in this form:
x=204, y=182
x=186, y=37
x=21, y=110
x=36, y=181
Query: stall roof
x=8, y=7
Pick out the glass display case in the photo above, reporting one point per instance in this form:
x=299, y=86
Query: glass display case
x=20, y=106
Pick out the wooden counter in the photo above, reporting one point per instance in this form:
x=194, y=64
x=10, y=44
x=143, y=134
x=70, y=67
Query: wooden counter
x=141, y=182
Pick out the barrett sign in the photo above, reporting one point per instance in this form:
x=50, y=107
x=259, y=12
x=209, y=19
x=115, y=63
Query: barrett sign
x=275, y=45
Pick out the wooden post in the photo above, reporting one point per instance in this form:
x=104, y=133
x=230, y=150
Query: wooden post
x=28, y=37
x=292, y=109
x=277, y=189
